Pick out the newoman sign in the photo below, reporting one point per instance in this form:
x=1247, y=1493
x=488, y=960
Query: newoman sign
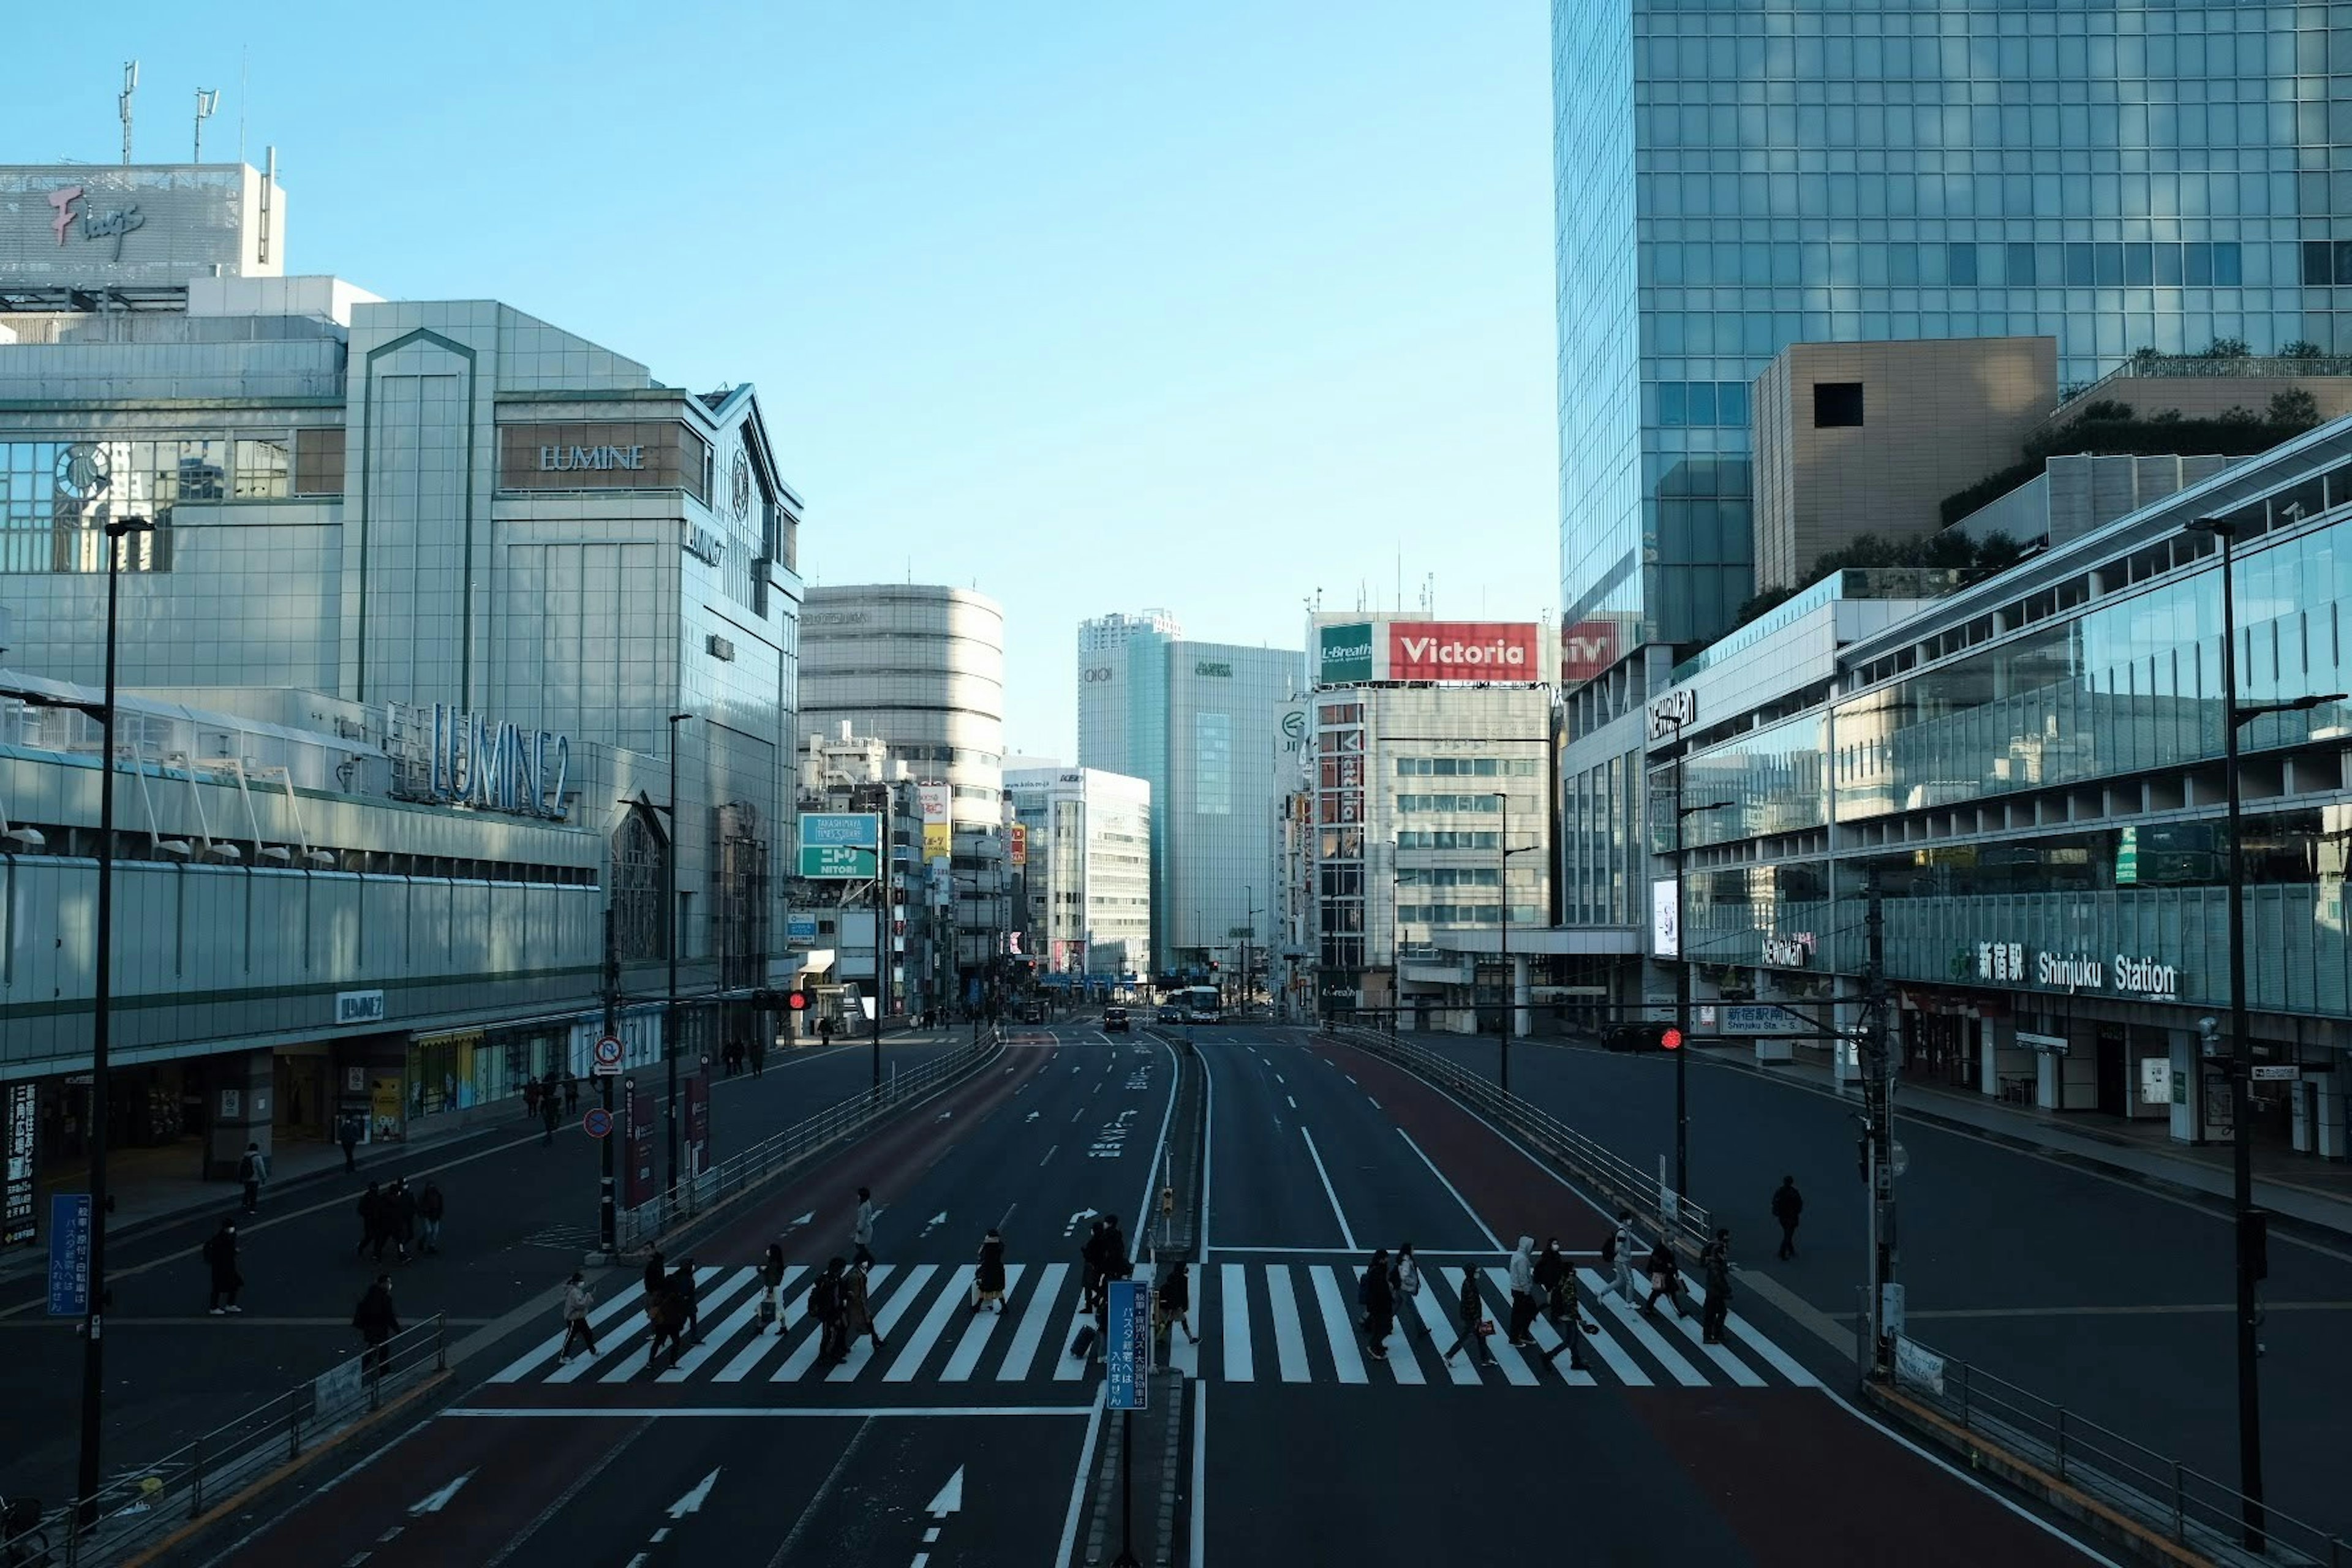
x=1464, y=650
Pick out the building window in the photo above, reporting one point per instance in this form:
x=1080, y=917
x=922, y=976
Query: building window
x=1213, y=764
x=1837, y=404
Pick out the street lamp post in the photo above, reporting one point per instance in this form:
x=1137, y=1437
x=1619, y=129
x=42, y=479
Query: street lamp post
x=1502, y=909
x=1682, y=814
x=670, y=1042
x=93, y=1345
x=2251, y=1221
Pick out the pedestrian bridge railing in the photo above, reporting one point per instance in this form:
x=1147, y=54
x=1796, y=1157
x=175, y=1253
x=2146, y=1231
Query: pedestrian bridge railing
x=639, y=1227
x=1613, y=1180
x=144, y=1505
x=2161, y=1497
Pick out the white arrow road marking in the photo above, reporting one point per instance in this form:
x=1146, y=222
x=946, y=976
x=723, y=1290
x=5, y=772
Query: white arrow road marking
x=945, y=1114
x=937, y=1220
x=950, y=1498
x=434, y=1502
x=1031, y=1117
x=808, y=1218
x=692, y=1501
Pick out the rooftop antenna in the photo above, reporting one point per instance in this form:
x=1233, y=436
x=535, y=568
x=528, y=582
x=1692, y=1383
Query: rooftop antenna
x=122, y=103
x=243, y=52
x=208, y=100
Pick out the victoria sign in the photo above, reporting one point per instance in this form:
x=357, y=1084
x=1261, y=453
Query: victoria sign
x=1464, y=650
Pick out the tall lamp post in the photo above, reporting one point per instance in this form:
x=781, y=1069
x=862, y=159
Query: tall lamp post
x=2251, y=1222
x=670, y=1042
x=1503, y=925
x=1682, y=814
x=93, y=1346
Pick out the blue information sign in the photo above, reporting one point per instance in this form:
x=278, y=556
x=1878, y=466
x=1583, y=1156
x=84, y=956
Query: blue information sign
x=1126, y=1350
x=68, y=1255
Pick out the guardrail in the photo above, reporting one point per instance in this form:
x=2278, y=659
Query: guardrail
x=2162, y=1495
x=777, y=1153
x=1614, y=1180
x=147, y=1502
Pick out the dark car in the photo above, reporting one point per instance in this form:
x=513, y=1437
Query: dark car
x=1115, y=1018
x=1636, y=1036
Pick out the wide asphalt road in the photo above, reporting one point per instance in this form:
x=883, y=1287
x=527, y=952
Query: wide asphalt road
x=2086, y=1288
x=520, y=1213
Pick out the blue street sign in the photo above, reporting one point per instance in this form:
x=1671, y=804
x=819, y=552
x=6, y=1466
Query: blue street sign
x=1127, y=1348
x=68, y=1255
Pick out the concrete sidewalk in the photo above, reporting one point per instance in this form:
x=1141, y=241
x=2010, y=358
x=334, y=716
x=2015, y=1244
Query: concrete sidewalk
x=155, y=1187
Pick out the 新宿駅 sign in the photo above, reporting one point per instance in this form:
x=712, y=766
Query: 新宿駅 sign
x=840, y=844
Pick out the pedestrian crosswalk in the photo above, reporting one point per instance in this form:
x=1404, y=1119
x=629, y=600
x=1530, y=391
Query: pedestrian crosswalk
x=1288, y=1322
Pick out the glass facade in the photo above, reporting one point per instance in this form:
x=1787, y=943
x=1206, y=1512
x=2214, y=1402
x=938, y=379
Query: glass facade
x=1734, y=177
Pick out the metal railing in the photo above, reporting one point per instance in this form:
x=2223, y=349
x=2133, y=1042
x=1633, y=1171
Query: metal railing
x=2161, y=1495
x=147, y=1502
x=780, y=1151
x=1613, y=1180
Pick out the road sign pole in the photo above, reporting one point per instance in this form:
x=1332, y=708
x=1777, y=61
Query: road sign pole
x=608, y=1211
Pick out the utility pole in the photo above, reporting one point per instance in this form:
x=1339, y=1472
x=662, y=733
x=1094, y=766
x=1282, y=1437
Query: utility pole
x=1502, y=927
x=671, y=1044
x=1249, y=929
x=1878, y=1134
x=608, y=1224
x=881, y=918
x=1683, y=960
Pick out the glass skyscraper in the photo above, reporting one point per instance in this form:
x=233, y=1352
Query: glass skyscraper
x=1733, y=176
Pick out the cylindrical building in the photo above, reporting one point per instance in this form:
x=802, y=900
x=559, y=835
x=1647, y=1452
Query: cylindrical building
x=922, y=666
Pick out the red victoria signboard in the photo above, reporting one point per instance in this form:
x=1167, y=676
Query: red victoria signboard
x=1464, y=650
x=1587, y=649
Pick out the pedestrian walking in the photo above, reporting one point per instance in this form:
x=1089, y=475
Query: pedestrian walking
x=1665, y=1272
x=771, y=1289
x=547, y=1116
x=531, y=1100
x=571, y=1093
x=402, y=1203
x=681, y=1290
x=377, y=1322
x=861, y=1230
x=577, y=1300
x=1552, y=1272
x=1523, y=1292
x=372, y=1221
x=759, y=1054
x=1090, y=1255
x=1787, y=1206
x=1376, y=1296
x=988, y=1280
x=1404, y=1283
x=347, y=1133
x=1556, y=1277
x=1617, y=1253
x=656, y=1274
x=252, y=1170
x=429, y=1209
x=1175, y=1300
x=1474, y=1326
x=220, y=1258
x=665, y=1317
x=824, y=1303
x=1717, y=1261
x=857, y=1310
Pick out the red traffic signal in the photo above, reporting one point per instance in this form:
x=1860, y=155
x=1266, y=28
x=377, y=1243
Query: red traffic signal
x=1670, y=1039
x=798, y=1001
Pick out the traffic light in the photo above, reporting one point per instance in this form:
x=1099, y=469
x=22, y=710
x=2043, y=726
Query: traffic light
x=798, y=1000
x=1671, y=1039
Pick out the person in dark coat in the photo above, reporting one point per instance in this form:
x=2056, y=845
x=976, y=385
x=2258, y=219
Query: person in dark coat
x=1665, y=1272
x=550, y=1110
x=1378, y=1297
x=1717, y=1261
x=858, y=1309
x=430, y=1206
x=1091, y=1255
x=1175, y=1300
x=772, y=1290
x=220, y=1258
x=824, y=1304
x=251, y=1171
x=1550, y=1276
x=681, y=1287
x=402, y=1201
x=1473, y=1321
x=347, y=1133
x=655, y=1274
x=1787, y=1206
x=374, y=1222
x=571, y=1093
x=376, y=1322
x=988, y=1282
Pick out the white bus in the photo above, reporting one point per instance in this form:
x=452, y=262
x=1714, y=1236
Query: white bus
x=1199, y=1003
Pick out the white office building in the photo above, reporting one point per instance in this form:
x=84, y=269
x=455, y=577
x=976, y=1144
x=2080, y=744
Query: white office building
x=1087, y=847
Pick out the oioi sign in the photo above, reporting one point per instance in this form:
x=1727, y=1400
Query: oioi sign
x=841, y=846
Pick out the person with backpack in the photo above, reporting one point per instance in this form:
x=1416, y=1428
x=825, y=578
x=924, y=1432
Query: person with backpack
x=377, y=1322
x=429, y=1209
x=220, y=1260
x=577, y=1300
x=1788, y=1208
x=1376, y=1297
x=251, y=1171
x=824, y=1304
x=1404, y=1287
x=1717, y=1261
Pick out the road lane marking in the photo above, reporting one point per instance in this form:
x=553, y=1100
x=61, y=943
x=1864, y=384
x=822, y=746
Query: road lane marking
x=1152, y=1166
x=1338, y=1325
x=1233, y=1298
x=1034, y=1323
x=1200, y=1477
x=1208, y=1165
x=1294, y=1104
x=1345, y=1235
x=977, y=1333
x=954, y=1297
x=1695, y=1332
x=783, y=1411
x=1077, y=1481
x=1483, y=1228
x=1049, y=1154
x=587, y=1478
x=824, y=1489
x=1289, y=1341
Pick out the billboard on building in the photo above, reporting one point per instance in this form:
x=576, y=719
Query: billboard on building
x=1666, y=920
x=938, y=829
x=840, y=845
x=1464, y=650
x=1343, y=654
x=1019, y=846
x=1587, y=651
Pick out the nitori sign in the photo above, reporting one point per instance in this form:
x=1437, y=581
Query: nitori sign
x=1463, y=650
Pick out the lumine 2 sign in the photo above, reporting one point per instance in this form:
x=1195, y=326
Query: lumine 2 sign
x=496, y=767
x=565, y=459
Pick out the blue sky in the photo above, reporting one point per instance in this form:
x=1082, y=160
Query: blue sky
x=1205, y=306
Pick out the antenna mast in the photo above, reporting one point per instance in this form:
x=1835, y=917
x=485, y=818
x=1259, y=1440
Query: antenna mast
x=208, y=100
x=122, y=103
